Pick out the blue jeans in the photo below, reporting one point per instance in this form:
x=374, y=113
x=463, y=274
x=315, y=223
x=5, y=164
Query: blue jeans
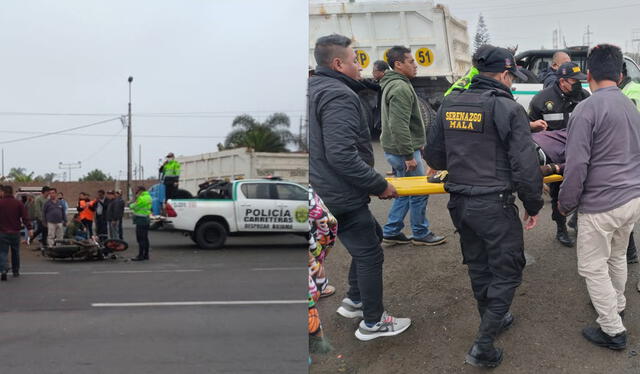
x=402, y=205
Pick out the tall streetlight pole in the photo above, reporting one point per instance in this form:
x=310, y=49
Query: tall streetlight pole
x=129, y=146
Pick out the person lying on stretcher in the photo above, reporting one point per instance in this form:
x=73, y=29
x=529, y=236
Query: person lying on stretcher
x=550, y=146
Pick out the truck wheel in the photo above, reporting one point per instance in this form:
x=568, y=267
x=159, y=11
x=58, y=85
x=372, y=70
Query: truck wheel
x=428, y=114
x=210, y=235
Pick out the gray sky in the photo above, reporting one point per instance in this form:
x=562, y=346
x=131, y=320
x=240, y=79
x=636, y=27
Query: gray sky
x=530, y=24
x=208, y=60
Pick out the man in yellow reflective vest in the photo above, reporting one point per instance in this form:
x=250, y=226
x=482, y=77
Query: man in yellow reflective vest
x=630, y=88
x=170, y=171
x=464, y=82
x=141, y=210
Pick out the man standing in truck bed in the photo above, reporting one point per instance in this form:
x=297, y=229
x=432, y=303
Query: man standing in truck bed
x=170, y=171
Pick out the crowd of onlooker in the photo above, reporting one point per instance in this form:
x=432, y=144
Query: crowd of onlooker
x=45, y=218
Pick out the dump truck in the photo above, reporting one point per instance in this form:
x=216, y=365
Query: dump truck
x=242, y=163
x=438, y=40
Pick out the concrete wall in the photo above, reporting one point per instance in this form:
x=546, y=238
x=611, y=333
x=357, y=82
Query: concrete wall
x=71, y=190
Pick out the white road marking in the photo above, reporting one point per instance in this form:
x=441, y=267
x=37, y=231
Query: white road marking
x=198, y=303
x=40, y=273
x=279, y=269
x=146, y=271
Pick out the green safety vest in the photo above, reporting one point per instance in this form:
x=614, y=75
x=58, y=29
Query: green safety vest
x=171, y=169
x=464, y=82
x=142, y=206
x=632, y=91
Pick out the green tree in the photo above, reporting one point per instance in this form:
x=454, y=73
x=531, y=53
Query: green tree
x=96, y=175
x=20, y=175
x=482, y=34
x=46, y=178
x=272, y=135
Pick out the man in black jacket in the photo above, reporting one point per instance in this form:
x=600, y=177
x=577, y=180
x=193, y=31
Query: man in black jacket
x=115, y=212
x=554, y=105
x=482, y=137
x=342, y=173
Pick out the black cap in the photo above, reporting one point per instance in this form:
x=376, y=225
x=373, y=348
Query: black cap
x=570, y=70
x=496, y=60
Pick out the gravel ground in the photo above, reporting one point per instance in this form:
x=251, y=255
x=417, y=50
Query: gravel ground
x=430, y=285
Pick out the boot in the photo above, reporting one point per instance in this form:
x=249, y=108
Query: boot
x=507, y=320
x=598, y=337
x=563, y=236
x=483, y=353
x=140, y=257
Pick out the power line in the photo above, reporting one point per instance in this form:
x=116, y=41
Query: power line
x=152, y=114
x=59, y=131
x=116, y=135
x=567, y=12
x=104, y=145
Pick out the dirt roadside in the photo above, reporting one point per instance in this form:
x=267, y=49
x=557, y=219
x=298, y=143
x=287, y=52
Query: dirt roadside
x=431, y=286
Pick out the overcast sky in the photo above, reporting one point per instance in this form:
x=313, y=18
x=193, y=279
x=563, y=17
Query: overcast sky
x=530, y=24
x=208, y=60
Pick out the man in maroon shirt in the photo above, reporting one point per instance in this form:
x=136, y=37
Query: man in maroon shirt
x=12, y=216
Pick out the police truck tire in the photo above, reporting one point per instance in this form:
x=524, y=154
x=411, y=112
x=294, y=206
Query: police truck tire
x=211, y=235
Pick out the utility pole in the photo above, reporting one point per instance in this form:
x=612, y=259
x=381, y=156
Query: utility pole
x=129, y=146
x=588, y=37
x=69, y=166
x=139, y=162
x=2, y=162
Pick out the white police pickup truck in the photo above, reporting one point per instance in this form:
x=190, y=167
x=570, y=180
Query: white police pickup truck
x=240, y=207
x=537, y=60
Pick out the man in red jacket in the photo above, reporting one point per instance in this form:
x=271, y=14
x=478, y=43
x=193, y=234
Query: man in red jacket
x=13, y=215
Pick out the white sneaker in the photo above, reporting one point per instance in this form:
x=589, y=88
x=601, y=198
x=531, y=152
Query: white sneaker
x=388, y=326
x=349, y=309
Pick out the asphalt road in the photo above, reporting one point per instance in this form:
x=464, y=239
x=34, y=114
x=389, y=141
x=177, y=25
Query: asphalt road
x=430, y=285
x=241, y=309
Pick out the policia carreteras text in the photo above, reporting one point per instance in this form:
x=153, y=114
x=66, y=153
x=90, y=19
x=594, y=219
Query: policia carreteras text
x=487, y=162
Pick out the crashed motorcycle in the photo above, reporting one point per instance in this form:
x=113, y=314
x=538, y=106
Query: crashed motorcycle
x=88, y=249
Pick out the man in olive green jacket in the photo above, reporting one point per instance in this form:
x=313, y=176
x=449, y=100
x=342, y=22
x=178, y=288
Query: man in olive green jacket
x=402, y=139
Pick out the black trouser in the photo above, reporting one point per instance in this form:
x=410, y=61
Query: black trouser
x=171, y=184
x=9, y=241
x=361, y=235
x=492, y=247
x=41, y=229
x=120, y=228
x=554, y=191
x=89, y=225
x=142, y=236
x=631, y=248
x=101, y=225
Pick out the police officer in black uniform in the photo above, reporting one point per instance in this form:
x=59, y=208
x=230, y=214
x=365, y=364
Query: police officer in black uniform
x=482, y=137
x=554, y=104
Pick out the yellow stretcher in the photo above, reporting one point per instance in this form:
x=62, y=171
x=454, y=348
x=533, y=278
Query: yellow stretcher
x=409, y=186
